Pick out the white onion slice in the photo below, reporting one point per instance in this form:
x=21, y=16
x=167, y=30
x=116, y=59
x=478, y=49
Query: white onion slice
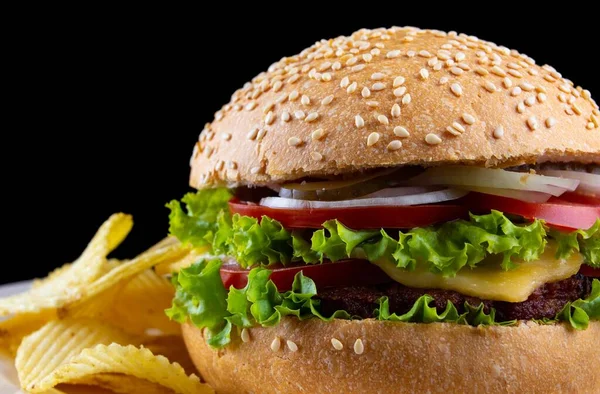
x=523, y=195
x=588, y=183
x=401, y=191
x=411, y=199
x=494, y=178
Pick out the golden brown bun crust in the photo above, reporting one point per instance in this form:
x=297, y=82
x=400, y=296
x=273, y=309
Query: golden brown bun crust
x=516, y=112
x=402, y=358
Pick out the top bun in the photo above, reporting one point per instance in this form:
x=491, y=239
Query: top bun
x=393, y=97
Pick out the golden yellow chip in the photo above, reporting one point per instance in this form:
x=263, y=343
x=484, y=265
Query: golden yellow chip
x=69, y=281
x=58, y=342
x=115, y=383
x=173, y=348
x=141, y=304
x=14, y=329
x=174, y=265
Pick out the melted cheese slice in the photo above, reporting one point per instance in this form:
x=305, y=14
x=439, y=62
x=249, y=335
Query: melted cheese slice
x=488, y=280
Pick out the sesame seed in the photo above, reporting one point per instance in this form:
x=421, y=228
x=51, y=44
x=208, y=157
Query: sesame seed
x=375, y=51
x=394, y=145
x=252, y=134
x=498, y=132
x=532, y=123
x=344, y=82
x=459, y=57
x=326, y=77
x=270, y=118
x=359, y=347
x=521, y=107
x=251, y=105
x=424, y=73
x=383, y=119
x=515, y=73
x=366, y=92
x=481, y=71
x=594, y=120
x=305, y=100
x=590, y=126
x=393, y=54
x=562, y=98
x=324, y=66
x=372, y=104
x=276, y=344
x=299, y=114
x=285, y=116
x=444, y=80
x=576, y=109
x=367, y=57
x=549, y=78
x=352, y=61
x=586, y=94
x=458, y=127
x=526, y=86
x=433, y=139
x=463, y=66
x=400, y=131
x=406, y=99
x=225, y=136
x=358, y=68
x=529, y=101
x=245, y=336
x=277, y=86
x=317, y=135
x=261, y=133
x=515, y=91
x=377, y=76
x=425, y=54
x=456, y=71
x=411, y=53
x=352, y=87
x=453, y=131
x=255, y=170
x=395, y=110
x=489, y=86
x=432, y=62
x=569, y=111
x=294, y=95
x=398, y=81
x=337, y=345
x=312, y=117
x=336, y=66
x=292, y=346
x=294, y=141
x=498, y=71
x=327, y=100
x=359, y=121
x=281, y=98
x=565, y=88
x=372, y=139
x=449, y=63
x=293, y=78
x=378, y=86
x=456, y=89
x=507, y=82
x=468, y=119
x=399, y=92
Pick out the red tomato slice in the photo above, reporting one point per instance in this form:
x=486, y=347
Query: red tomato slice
x=353, y=272
x=557, y=213
x=589, y=271
x=357, y=218
x=578, y=199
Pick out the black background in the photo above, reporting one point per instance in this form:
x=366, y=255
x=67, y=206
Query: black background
x=105, y=105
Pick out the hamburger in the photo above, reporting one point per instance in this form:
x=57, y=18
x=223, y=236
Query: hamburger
x=400, y=210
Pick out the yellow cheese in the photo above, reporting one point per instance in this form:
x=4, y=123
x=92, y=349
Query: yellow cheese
x=489, y=281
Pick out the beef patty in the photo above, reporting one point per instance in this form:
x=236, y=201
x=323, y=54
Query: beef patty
x=545, y=302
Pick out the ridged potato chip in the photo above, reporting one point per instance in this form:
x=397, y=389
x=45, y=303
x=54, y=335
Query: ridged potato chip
x=174, y=265
x=68, y=282
x=42, y=352
x=173, y=348
x=141, y=305
x=14, y=329
x=116, y=383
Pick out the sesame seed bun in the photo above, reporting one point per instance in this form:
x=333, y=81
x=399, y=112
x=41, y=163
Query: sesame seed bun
x=393, y=97
x=401, y=358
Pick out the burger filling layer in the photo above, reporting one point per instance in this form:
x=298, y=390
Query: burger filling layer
x=464, y=245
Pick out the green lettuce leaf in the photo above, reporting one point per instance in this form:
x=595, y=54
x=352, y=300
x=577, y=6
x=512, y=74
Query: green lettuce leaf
x=444, y=249
x=197, y=224
x=579, y=313
x=585, y=241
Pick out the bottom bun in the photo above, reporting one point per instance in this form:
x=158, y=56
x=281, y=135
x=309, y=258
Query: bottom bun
x=401, y=358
